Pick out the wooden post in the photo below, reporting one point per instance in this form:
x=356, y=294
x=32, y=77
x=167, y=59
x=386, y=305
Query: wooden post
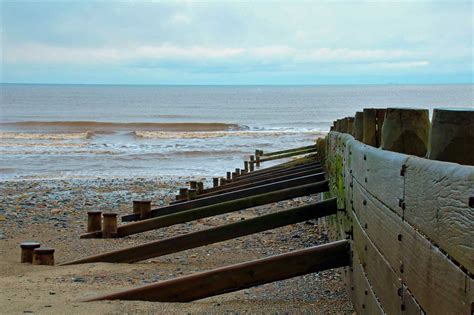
x=214, y=235
x=358, y=131
x=251, y=163
x=27, y=249
x=380, y=115
x=183, y=193
x=234, y=176
x=257, y=160
x=192, y=194
x=452, y=135
x=142, y=208
x=200, y=186
x=215, y=182
x=94, y=220
x=369, y=126
x=237, y=171
x=229, y=176
x=223, y=181
x=109, y=225
x=349, y=124
x=406, y=131
x=43, y=256
x=240, y=276
x=192, y=184
x=246, y=166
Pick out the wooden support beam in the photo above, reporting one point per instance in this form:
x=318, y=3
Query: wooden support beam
x=288, y=150
x=242, y=185
x=227, y=196
x=240, y=276
x=261, y=159
x=216, y=209
x=214, y=235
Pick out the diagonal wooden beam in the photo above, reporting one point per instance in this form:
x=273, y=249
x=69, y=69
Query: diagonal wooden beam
x=212, y=210
x=240, y=276
x=196, y=203
x=289, y=150
x=214, y=235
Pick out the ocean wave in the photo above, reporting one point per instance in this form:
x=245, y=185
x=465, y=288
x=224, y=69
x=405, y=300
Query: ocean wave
x=220, y=134
x=97, y=126
x=45, y=136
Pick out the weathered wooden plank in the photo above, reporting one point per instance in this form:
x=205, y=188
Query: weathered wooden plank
x=436, y=282
x=386, y=284
x=442, y=213
x=239, y=276
x=288, y=150
x=379, y=172
x=363, y=297
x=410, y=306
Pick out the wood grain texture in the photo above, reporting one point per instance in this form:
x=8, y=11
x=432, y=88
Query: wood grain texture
x=379, y=172
x=443, y=213
x=363, y=297
x=436, y=282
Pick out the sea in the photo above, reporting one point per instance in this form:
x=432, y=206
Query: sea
x=89, y=131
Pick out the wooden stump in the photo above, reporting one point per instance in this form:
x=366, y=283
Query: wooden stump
x=183, y=193
x=406, y=130
x=215, y=182
x=452, y=136
x=200, y=186
x=109, y=225
x=229, y=176
x=192, y=184
x=43, y=256
x=251, y=164
x=27, y=249
x=380, y=118
x=246, y=166
x=192, y=194
x=223, y=181
x=358, y=129
x=94, y=220
x=369, y=127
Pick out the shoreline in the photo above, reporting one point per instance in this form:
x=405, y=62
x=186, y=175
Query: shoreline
x=54, y=213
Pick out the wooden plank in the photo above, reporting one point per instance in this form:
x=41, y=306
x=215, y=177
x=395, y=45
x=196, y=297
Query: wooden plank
x=239, y=276
x=221, y=208
x=363, y=297
x=289, y=150
x=379, y=172
x=386, y=284
x=214, y=235
x=410, y=305
x=287, y=155
x=436, y=282
x=442, y=213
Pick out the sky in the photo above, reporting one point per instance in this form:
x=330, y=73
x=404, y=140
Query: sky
x=192, y=42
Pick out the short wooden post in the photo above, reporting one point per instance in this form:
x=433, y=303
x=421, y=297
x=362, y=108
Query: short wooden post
x=43, y=256
x=223, y=181
x=229, y=176
x=27, y=249
x=234, y=176
x=406, y=130
x=200, y=186
x=178, y=197
x=237, y=170
x=349, y=124
x=452, y=136
x=243, y=172
x=183, y=193
x=94, y=220
x=358, y=129
x=109, y=225
x=380, y=118
x=192, y=194
x=215, y=182
x=192, y=184
x=257, y=160
x=251, y=164
x=246, y=166
x=369, y=127
x=142, y=208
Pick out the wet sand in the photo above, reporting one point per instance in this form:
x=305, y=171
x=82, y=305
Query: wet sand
x=54, y=212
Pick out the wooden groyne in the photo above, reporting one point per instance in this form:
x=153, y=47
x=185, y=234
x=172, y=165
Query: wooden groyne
x=396, y=190
x=409, y=219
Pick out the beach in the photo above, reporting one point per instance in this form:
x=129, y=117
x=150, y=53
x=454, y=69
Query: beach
x=54, y=213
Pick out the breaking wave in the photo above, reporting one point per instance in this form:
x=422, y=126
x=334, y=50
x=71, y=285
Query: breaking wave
x=217, y=134
x=45, y=136
x=116, y=126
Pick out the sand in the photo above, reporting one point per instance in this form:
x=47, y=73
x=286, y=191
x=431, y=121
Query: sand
x=53, y=212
